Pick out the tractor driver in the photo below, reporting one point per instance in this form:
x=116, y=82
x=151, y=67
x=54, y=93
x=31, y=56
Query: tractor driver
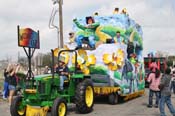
x=63, y=72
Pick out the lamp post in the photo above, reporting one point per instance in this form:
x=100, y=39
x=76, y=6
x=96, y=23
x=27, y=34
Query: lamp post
x=60, y=32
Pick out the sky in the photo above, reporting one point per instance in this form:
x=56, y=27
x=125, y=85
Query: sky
x=155, y=16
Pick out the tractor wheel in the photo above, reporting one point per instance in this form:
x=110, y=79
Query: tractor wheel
x=59, y=107
x=113, y=98
x=16, y=108
x=84, y=96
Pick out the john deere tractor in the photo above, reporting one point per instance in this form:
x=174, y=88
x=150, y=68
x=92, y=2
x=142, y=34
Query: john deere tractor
x=41, y=93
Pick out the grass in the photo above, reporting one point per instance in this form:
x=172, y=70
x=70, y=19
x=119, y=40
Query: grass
x=1, y=81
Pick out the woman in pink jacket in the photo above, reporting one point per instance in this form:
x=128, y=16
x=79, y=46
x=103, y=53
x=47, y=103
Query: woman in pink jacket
x=154, y=81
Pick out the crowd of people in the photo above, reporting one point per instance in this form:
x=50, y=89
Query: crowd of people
x=161, y=85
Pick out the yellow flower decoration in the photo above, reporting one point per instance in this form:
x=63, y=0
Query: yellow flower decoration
x=84, y=69
x=84, y=61
x=112, y=66
x=83, y=54
x=91, y=60
x=81, y=57
x=114, y=60
x=64, y=56
x=55, y=52
x=107, y=58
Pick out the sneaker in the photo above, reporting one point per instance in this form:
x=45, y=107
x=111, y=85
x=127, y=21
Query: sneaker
x=60, y=89
x=149, y=106
x=4, y=98
x=156, y=106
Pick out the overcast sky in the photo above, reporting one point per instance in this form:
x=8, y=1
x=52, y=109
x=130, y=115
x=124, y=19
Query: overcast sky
x=155, y=16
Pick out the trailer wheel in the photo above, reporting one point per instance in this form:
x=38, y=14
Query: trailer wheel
x=84, y=96
x=113, y=98
x=59, y=107
x=16, y=108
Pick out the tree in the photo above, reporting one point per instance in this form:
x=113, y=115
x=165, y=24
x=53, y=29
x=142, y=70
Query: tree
x=23, y=61
x=47, y=59
x=171, y=59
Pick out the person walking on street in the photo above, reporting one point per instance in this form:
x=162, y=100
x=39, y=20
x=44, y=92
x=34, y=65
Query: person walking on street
x=166, y=93
x=154, y=80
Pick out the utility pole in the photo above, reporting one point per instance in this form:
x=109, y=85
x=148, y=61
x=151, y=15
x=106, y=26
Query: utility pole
x=57, y=3
x=61, y=23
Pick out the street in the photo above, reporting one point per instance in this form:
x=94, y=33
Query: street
x=134, y=107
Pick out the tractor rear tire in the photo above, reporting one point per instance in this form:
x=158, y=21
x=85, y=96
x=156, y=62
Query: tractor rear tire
x=59, y=107
x=15, y=105
x=113, y=98
x=84, y=96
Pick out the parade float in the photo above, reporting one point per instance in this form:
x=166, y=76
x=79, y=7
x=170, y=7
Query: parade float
x=116, y=67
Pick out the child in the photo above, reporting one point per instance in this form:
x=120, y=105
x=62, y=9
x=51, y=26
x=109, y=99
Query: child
x=63, y=72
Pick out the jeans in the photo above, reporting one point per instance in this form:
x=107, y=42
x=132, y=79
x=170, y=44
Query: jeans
x=173, y=86
x=6, y=90
x=167, y=100
x=12, y=87
x=151, y=93
x=62, y=79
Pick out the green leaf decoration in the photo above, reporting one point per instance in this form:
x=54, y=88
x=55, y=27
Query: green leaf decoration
x=117, y=75
x=111, y=30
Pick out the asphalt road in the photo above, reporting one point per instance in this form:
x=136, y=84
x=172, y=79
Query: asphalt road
x=134, y=107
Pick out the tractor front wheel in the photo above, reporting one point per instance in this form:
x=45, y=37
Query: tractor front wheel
x=16, y=108
x=59, y=107
x=84, y=96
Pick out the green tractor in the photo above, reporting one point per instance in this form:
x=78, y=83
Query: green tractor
x=41, y=93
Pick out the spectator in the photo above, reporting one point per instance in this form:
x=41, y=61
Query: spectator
x=173, y=82
x=12, y=81
x=46, y=70
x=63, y=72
x=166, y=93
x=6, y=90
x=154, y=81
x=153, y=66
x=173, y=70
